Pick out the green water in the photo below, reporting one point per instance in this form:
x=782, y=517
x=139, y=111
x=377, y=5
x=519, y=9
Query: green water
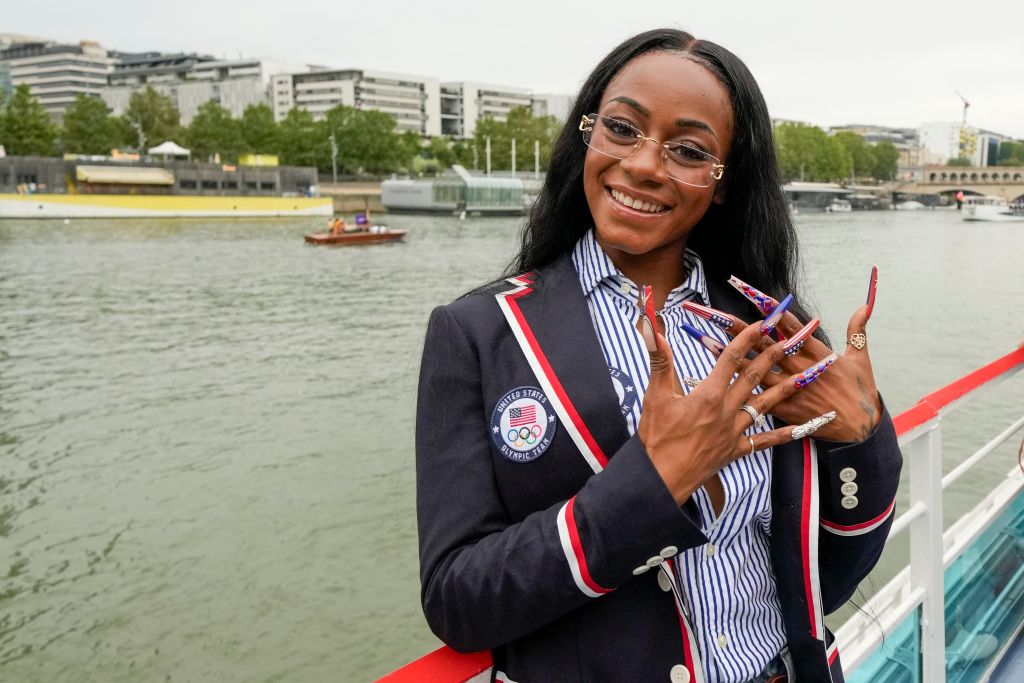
x=206, y=466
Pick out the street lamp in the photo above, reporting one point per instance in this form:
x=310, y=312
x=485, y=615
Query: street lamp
x=334, y=158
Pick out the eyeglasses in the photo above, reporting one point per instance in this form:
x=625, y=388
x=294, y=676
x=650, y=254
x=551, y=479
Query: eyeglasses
x=620, y=140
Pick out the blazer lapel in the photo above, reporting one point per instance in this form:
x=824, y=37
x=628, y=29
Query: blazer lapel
x=550, y=319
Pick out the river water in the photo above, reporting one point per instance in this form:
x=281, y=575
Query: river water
x=206, y=463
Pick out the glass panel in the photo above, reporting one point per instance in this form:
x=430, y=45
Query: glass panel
x=985, y=596
x=897, y=660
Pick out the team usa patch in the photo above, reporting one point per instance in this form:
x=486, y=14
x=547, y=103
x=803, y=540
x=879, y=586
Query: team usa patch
x=625, y=389
x=523, y=424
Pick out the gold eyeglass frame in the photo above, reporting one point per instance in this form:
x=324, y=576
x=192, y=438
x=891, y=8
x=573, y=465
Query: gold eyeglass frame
x=587, y=126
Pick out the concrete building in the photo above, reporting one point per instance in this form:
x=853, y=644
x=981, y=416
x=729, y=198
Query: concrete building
x=552, y=105
x=193, y=80
x=413, y=101
x=952, y=140
x=56, y=73
x=464, y=103
x=905, y=140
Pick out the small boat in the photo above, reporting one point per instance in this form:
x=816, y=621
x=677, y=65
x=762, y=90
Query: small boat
x=839, y=206
x=988, y=208
x=358, y=237
x=362, y=232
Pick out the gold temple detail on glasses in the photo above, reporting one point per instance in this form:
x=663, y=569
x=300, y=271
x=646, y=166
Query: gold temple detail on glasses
x=637, y=137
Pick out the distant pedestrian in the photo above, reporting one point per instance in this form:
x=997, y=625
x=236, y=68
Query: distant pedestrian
x=959, y=199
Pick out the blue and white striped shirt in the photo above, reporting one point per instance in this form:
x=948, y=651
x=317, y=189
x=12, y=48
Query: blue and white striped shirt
x=729, y=583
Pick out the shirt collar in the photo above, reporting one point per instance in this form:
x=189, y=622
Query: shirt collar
x=593, y=266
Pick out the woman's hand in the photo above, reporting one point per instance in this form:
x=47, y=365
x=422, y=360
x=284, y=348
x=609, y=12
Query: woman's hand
x=689, y=438
x=848, y=387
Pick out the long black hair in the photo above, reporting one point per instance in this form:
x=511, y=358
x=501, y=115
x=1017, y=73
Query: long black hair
x=749, y=235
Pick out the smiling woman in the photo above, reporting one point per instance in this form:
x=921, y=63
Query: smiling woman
x=616, y=476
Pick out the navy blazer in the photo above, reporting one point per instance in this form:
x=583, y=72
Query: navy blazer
x=542, y=560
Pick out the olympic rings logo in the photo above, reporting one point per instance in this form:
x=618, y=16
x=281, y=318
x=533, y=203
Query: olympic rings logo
x=524, y=436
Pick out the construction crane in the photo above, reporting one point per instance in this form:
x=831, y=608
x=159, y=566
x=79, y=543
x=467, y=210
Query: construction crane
x=966, y=105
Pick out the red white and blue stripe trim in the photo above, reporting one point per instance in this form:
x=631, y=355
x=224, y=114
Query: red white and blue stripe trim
x=573, y=549
x=862, y=528
x=691, y=654
x=809, y=523
x=549, y=382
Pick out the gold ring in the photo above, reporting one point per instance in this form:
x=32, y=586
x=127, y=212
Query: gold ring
x=858, y=340
x=752, y=449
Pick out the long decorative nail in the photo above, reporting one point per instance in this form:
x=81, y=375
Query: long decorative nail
x=794, y=343
x=872, y=285
x=713, y=315
x=815, y=371
x=812, y=425
x=769, y=323
x=648, y=319
x=764, y=303
x=710, y=343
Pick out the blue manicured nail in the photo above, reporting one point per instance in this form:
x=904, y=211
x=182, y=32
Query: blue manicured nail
x=710, y=343
x=772, y=320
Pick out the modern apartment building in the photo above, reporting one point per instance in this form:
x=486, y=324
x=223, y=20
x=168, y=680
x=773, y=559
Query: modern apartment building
x=951, y=140
x=191, y=80
x=413, y=101
x=464, y=103
x=56, y=73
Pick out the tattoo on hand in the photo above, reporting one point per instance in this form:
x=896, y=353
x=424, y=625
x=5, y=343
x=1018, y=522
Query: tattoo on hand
x=868, y=406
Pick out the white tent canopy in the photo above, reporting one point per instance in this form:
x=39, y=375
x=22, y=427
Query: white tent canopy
x=170, y=149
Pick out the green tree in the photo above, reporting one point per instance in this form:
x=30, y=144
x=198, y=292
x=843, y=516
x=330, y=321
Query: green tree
x=26, y=126
x=862, y=154
x=959, y=161
x=304, y=141
x=808, y=153
x=89, y=128
x=886, y=161
x=1011, y=153
x=367, y=141
x=526, y=129
x=442, y=149
x=260, y=132
x=155, y=114
x=213, y=131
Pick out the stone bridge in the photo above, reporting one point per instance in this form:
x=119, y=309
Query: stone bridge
x=1001, y=181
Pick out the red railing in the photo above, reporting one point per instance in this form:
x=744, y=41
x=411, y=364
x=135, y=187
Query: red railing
x=445, y=665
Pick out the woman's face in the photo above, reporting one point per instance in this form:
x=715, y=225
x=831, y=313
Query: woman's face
x=671, y=99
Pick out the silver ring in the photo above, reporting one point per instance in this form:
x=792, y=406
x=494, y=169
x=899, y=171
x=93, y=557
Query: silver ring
x=752, y=449
x=757, y=417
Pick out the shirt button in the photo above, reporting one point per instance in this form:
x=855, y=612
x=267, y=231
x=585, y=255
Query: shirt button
x=709, y=550
x=850, y=502
x=849, y=488
x=723, y=640
x=669, y=551
x=624, y=288
x=847, y=474
x=655, y=561
x=640, y=570
x=679, y=674
x=663, y=581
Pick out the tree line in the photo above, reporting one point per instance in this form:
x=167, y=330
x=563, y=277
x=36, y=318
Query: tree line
x=367, y=141
x=809, y=153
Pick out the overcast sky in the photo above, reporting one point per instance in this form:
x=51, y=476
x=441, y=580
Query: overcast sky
x=896, y=63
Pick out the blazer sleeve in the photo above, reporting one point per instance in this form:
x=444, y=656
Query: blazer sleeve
x=855, y=523
x=486, y=579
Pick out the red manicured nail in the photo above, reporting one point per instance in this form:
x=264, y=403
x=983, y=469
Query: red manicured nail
x=872, y=286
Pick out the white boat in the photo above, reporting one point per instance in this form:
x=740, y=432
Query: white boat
x=988, y=208
x=839, y=206
x=909, y=206
x=955, y=612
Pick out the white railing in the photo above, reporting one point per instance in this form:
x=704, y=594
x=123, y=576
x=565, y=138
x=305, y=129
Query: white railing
x=931, y=551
